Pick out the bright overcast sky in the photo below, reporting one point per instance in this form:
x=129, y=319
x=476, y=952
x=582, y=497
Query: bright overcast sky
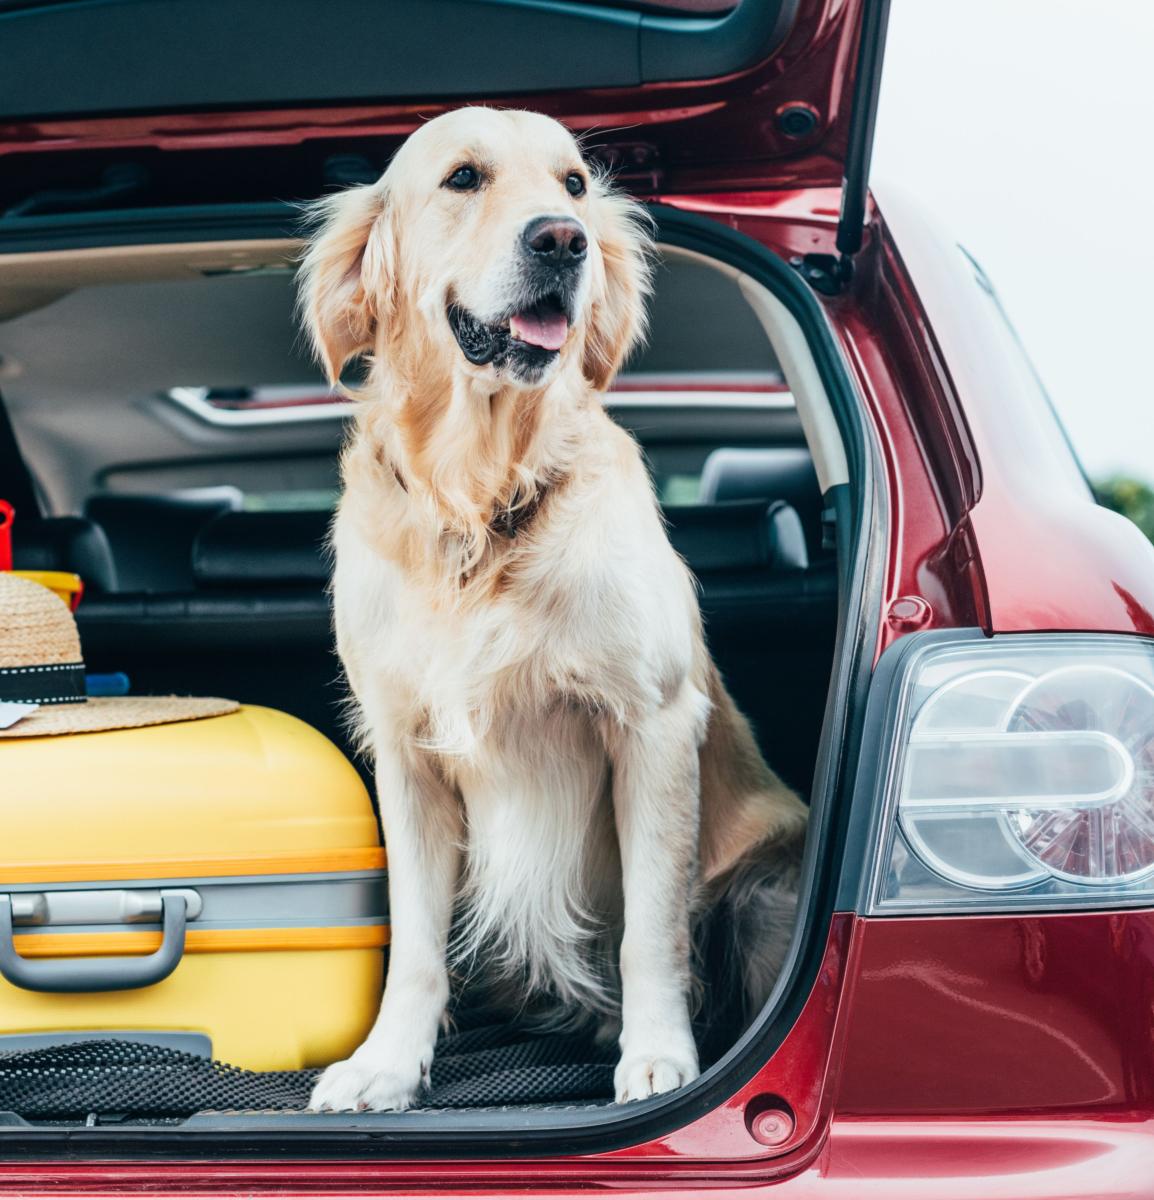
x=1027, y=128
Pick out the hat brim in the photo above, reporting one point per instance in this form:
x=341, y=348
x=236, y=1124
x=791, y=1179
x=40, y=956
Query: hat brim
x=103, y=713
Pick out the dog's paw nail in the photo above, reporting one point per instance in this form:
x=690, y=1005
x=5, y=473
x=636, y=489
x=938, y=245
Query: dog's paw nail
x=351, y=1087
x=645, y=1075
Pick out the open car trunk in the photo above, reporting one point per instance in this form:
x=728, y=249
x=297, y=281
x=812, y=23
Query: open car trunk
x=198, y=470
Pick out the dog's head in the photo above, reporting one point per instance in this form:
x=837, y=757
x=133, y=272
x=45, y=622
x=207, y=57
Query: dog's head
x=489, y=246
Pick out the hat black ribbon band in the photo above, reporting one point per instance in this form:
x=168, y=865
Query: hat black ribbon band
x=55, y=683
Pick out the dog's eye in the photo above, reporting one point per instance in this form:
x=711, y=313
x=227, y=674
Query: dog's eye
x=575, y=183
x=464, y=179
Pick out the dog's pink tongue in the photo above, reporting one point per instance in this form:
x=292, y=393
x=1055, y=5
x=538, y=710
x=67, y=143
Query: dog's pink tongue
x=545, y=330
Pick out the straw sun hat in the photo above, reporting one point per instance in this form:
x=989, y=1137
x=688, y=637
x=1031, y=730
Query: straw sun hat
x=40, y=664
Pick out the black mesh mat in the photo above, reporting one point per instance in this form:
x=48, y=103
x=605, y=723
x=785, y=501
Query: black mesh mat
x=490, y=1065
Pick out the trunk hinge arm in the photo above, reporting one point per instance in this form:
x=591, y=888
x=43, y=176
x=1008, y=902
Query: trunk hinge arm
x=831, y=273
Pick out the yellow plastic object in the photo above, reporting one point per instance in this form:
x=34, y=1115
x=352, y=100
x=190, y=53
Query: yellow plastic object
x=273, y=1011
x=65, y=584
x=252, y=803
x=251, y=785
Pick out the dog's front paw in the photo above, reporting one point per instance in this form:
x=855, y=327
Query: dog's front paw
x=641, y=1075
x=359, y=1086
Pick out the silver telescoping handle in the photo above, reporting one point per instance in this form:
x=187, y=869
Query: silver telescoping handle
x=113, y=973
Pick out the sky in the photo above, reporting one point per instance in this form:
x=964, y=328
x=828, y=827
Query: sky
x=1026, y=127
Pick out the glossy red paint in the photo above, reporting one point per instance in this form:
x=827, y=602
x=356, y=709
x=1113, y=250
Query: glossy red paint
x=861, y=1160
x=692, y=136
x=791, y=222
x=1050, y=557
x=930, y=473
x=1025, y=1015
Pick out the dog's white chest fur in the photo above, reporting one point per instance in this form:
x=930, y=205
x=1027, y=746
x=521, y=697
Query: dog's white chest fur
x=510, y=699
x=592, y=609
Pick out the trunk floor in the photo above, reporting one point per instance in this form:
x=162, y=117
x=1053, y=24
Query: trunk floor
x=477, y=1065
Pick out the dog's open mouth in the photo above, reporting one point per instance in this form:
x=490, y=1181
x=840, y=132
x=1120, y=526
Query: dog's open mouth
x=545, y=325
x=530, y=335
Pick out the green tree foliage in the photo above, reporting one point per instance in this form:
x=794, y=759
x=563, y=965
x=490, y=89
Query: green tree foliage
x=1131, y=498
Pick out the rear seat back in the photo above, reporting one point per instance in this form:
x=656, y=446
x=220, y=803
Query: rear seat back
x=767, y=473
x=262, y=549
x=282, y=548
x=738, y=535
x=152, y=536
x=257, y=624
x=65, y=544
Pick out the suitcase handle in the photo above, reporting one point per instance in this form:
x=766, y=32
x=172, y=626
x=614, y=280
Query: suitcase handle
x=99, y=974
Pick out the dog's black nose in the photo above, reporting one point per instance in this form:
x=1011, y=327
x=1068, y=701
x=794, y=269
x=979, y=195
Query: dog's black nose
x=559, y=240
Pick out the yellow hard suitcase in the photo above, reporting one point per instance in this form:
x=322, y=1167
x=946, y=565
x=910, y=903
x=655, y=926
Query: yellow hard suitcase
x=216, y=882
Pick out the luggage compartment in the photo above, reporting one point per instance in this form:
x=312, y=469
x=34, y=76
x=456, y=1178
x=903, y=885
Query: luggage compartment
x=743, y=421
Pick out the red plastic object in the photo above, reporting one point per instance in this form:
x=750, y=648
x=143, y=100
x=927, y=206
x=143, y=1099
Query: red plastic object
x=770, y=1122
x=7, y=516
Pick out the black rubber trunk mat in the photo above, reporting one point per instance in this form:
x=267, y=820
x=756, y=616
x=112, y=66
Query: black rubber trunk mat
x=482, y=1067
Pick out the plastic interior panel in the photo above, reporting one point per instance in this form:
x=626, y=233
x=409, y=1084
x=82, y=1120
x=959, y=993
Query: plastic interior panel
x=128, y=56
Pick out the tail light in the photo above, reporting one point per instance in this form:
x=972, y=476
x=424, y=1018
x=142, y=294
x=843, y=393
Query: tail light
x=1018, y=773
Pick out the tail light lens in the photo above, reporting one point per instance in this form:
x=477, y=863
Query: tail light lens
x=1021, y=774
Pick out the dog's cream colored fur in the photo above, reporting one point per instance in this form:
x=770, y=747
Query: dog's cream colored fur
x=557, y=762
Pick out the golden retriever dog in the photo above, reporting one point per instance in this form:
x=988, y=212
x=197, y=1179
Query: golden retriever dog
x=565, y=785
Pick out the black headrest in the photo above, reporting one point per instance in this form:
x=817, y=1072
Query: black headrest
x=262, y=548
x=64, y=544
x=152, y=536
x=766, y=473
x=290, y=547
x=741, y=535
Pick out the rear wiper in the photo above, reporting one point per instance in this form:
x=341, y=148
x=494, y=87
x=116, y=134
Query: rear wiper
x=117, y=182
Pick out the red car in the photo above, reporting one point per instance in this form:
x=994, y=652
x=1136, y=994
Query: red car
x=953, y=659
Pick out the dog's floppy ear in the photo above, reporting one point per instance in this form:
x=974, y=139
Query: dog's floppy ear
x=347, y=275
x=618, y=318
